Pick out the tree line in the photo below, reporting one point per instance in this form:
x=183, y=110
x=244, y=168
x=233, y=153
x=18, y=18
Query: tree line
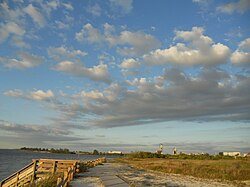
x=52, y=150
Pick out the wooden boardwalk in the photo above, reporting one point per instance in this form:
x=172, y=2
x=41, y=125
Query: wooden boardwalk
x=106, y=172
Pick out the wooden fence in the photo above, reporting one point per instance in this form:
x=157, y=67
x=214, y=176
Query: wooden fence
x=40, y=169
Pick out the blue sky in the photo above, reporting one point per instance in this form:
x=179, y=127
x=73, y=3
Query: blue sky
x=125, y=75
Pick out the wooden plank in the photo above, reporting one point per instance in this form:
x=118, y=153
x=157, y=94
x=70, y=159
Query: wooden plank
x=45, y=165
x=27, y=180
x=27, y=172
x=51, y=160
x=14, y=174
x=47, y=170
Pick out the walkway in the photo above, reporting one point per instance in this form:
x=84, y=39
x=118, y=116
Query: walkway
x=102, y=175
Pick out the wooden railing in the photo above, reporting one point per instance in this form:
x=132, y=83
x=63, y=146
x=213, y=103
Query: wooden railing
x=39, y=169
x=42, y=168
x=68, y=175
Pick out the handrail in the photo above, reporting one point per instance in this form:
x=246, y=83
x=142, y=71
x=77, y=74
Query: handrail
x=42, y=167
x=15, y=174
x=37, y=169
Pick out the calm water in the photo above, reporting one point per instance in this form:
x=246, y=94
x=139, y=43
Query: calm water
x=13, y=160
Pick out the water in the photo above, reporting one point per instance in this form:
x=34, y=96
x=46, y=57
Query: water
x=14, y=160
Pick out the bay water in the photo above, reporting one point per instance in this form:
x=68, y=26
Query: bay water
x=13, y=160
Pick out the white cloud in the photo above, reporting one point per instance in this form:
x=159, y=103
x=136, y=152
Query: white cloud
x=125, y=6
x=61, y=25
x=129, y=63
x=14, y=93
x=179, y=97
x=17, y=41
x=241, y=6
x=25, y=61
x=90, y=34
x=96, y=73
x=245, y=45
x=68, y=6
x=94, y=10
x=58, y=53
x=35, y=15
x=95, y=94
x=242, y=55
x=198, y=49
x=141, y=43
x=133, y=43
x=41, y=95
x=8, y=13
x=38, y=95
x=10, y=28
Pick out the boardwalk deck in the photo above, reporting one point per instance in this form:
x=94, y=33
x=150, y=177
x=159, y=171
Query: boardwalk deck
x=106, y=172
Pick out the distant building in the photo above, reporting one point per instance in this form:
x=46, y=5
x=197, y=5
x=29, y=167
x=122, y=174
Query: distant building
x=230, y=153
x=246, y=154
x=160, y=150
x=174, y=151
x=114, y=152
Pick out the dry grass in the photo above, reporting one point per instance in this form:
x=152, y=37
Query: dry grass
x=209, y=169
x=49, y=181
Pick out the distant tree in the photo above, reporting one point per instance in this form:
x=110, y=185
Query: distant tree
x=95, y=152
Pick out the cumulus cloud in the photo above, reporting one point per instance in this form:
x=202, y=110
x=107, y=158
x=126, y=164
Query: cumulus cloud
x=10, y=28
x=123, y=6
x=129, y=63
x=63, y=52
x=90, y=34
x=242, y=55
x=38, y=95
x=96, y=73
x=174, y=95
x=35, y=15
x=198, y=50
x=141, y=43
x=25, y=61
x=241, y=6
x=133, y=43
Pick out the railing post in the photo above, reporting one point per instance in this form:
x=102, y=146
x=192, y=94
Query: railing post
x=65, y=176
x=34, y=171
x=17, y=178
x=54, y=167
x=59, y=180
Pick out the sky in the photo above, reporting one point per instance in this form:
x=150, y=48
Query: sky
x=125, y=75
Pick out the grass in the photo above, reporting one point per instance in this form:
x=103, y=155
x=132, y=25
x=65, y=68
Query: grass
x=209, y=169
x=49, y=181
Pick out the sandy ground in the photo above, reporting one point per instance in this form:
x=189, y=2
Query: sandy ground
x=141, y=178
x=87, y=182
